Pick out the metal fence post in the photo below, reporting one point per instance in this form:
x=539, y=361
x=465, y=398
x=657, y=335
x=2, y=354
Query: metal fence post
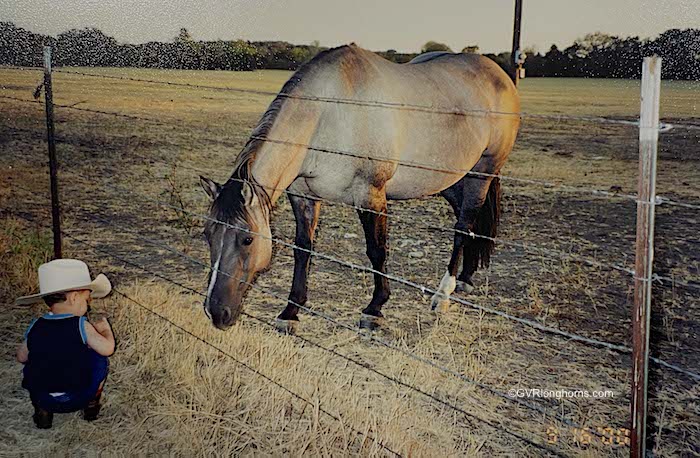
x=53, y=162
x=648, y=146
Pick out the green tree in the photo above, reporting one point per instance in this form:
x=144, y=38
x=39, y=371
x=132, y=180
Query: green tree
x=184, y=36
x=87, y=47
x=473, y=49
x=435, y=46
x=301, y=55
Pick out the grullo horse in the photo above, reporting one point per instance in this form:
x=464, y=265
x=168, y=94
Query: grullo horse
x=327, y=106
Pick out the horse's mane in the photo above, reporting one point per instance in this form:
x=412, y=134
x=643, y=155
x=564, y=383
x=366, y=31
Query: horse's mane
x=229, y=204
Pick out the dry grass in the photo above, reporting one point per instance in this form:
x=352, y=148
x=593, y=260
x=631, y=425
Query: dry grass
x=169, y=394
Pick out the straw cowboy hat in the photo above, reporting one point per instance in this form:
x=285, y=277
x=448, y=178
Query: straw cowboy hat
x=63, y=275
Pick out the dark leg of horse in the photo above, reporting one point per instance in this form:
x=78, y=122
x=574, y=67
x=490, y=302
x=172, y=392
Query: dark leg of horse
x=474, y=192
x=454, y=196
x=477, y=250
x=306, y=213
x=375, y=227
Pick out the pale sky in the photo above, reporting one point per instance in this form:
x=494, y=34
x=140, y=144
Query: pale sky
x=375, y=24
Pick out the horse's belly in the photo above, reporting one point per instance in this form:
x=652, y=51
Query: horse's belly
x=412, y=183
x=424, y=174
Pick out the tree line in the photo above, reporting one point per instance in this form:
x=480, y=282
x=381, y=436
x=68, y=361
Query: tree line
x=595, y=55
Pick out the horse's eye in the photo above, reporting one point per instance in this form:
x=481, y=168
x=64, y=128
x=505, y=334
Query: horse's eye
x=248, y=241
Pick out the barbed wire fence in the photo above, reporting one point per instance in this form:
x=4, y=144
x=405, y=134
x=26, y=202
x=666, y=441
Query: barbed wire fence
x=553, y=254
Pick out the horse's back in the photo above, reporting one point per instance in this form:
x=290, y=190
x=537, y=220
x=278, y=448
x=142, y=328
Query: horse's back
x=444, y=82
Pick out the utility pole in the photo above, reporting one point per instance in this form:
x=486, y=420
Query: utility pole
x=516, y=55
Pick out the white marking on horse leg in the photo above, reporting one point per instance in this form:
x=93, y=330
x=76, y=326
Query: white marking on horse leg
x=214, y=275
x=441, y=299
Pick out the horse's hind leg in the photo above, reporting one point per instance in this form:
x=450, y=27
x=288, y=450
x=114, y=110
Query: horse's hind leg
x=454, y=195
x=306, y=213
x=473, y=216
x=477, y=250
x=374, y=223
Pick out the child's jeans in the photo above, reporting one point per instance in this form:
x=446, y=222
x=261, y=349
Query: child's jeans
x=77, y=400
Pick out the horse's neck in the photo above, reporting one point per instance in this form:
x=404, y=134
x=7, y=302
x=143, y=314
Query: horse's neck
x=277, y=165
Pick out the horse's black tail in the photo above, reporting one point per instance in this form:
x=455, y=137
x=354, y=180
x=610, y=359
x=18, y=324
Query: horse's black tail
x=480, y=249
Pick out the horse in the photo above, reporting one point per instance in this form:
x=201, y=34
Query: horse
x=348, y=99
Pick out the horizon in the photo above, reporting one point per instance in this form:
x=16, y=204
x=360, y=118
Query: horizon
x=136, y=22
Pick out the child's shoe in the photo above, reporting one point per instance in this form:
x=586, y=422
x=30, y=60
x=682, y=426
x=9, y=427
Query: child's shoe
x=92, y=410
x=42, y=418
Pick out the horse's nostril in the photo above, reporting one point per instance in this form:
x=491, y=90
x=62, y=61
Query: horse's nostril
x=225, y=316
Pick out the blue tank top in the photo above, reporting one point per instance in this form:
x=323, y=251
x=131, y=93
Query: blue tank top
x=59, y=358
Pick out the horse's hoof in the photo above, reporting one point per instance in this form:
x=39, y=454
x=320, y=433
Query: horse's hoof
x=370, y=322
x=289, y=327
x=440, y=304
x=464, y=287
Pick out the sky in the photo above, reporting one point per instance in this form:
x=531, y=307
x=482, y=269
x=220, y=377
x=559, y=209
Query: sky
x=404, y=25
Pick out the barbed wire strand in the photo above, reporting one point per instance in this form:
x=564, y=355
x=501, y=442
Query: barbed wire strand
x=255, y=371
x=383, y=343
x=337, y=323
x=320, y=346
x=552, y=254
x=424, y=289
x=545, y=184
x=663, y=127
x=409, y=164
x=384, y=104
x=204, y=341
x=549, y=253
x=356, y=362
x=20, y=68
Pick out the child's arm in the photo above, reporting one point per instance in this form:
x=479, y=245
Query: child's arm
x=100, y=337
x=23, y=353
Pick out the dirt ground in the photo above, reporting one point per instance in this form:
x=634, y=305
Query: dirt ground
x=109, y=163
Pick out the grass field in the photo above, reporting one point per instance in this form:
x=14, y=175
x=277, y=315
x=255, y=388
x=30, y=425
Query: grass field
x=171, y=394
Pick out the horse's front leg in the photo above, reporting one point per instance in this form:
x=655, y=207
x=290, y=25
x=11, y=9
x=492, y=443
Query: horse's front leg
x=374, y=224
x=306, y=213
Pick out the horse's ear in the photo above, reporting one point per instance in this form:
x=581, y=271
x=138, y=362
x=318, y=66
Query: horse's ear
x=211, y=187
x=249, y=196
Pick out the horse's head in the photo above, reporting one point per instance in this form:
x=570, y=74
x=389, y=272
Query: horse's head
x=240, y=248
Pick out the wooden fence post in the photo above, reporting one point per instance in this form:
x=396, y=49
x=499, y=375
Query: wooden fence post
x=646, y=202
x=53, y=162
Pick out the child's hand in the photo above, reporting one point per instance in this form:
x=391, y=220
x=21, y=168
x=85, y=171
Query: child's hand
x=100, y=337
x=102, y=325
